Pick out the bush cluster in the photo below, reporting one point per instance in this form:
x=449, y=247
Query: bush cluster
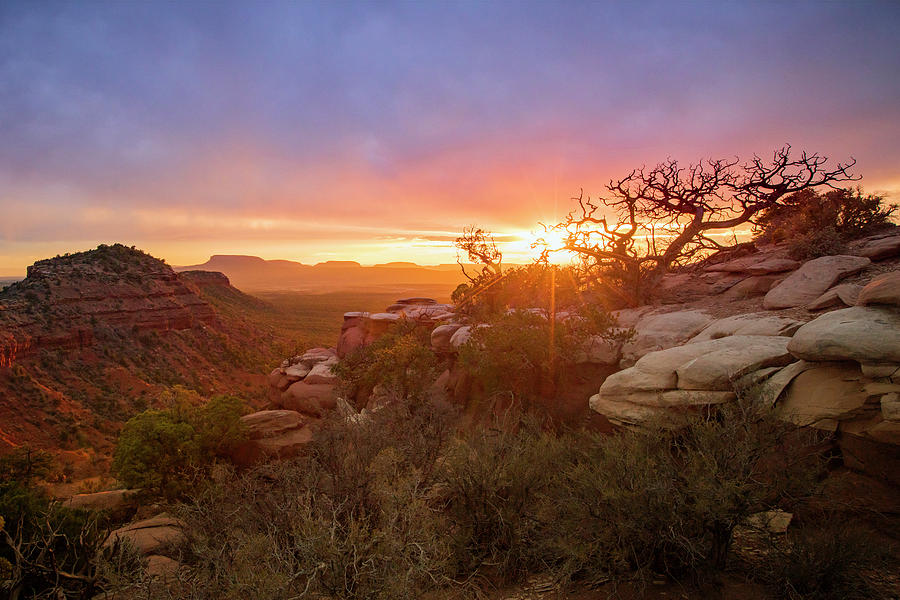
x=164, y=451
x=815, y=224
x=400, y=362
x=519, y=354
x=399, y=506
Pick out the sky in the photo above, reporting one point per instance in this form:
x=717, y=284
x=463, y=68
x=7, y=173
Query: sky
x=376, y=131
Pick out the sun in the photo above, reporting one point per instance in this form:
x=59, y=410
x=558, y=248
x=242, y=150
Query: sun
x=532, y=244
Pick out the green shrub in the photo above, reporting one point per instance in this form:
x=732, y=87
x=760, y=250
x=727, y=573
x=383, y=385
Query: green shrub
x=156, y=451
x=163, y=451
x=401, y=362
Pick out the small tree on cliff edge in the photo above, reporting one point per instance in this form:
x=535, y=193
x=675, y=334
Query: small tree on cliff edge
x=479, y=248
x=661, y=218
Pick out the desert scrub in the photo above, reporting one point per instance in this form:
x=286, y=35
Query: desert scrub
x=814, y=224
x=401, y=506
x=493, y=481
x=352, y=518
x=667, y=501
x=826, y=562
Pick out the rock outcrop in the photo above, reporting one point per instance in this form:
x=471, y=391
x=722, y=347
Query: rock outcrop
x=884, y=289
x=658, y=331
x=880, y=247
x=812, y=280
x=748, y=324
x=839, y=372
x=63, y=300
x=361, y=328
x=273, y=434
x=108, y=500
x=669, y=383
x=305, y=383
x=845, y=294
x=152, y=538
x=861, y=333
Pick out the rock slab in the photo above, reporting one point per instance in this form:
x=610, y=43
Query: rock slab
x=812, y=280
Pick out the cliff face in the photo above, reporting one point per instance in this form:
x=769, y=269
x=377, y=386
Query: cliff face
x=90, y=339
x=64, y=300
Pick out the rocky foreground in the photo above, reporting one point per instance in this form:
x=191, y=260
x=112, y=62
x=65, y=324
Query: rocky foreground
x=817, y=341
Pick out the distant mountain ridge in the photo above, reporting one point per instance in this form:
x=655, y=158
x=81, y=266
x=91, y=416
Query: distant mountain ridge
x=256, y=274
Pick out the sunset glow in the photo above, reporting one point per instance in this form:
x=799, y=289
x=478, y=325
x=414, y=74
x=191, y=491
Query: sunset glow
x=375, y=132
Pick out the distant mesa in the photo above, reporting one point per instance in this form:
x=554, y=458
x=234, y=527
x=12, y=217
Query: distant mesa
x=225, y=260
x=399, y=265
x=252, y=273
x=339, y=264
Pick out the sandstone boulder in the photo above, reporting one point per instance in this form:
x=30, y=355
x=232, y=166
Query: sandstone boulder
x=629, y=317
x=881, y=248
x=812, y=280
x=886, y=432
x=272, y=433
x=314, y=356
x=150, y=536
x=890, y=407
x=321, y=374
x=271, y=423
x=752, y=265
x=441, y=337
x=663, y=330
x=829, y=392
x=460, y=336
x=675, y=288
x=622, y=412
x=280, y=380
x=310, y=399
x=748, y=324
x=718, y=368
x=654, y=371
x=884, y=289
x=297, y=372
x=773, y=384
x=861, y=333
x=161, y=567
x=108, y=500
x=352, y=338
x=685, y=377
x=758, y=285
x=880, y=370
x=844, y=294
x=424, y=314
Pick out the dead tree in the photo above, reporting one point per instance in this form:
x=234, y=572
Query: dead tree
x=661, y=218
x=481, y=249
